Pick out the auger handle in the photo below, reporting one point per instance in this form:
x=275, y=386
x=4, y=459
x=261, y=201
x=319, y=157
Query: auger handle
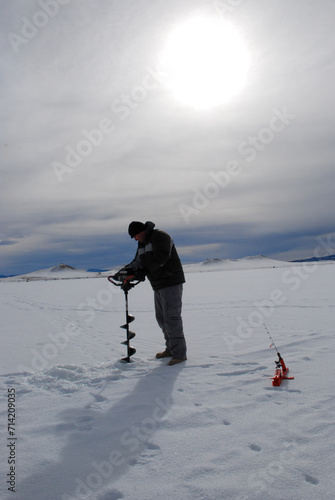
x=112, y=280
x=126, y=284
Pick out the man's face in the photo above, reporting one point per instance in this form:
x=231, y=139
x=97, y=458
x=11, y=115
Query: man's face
x=140, y=236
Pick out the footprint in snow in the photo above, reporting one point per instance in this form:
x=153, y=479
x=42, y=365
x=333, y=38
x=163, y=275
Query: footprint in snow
x=254, y=447
x=311, y=479
x=98, y=398
x=147, y=455
x=84, y=423
x=111, y=495
x=244, y=364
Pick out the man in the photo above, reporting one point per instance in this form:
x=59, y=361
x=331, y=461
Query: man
x=158, y=260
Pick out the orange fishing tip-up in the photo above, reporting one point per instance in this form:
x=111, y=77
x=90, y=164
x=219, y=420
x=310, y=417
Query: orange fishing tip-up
x=281, y=368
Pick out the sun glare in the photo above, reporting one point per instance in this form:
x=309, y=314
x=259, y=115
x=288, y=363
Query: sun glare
x=205, y=62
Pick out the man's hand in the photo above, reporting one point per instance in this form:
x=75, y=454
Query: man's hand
x=139, y=275
x=121, y=275
x=125, y=272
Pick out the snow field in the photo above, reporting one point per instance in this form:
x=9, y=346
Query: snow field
x=90, y=427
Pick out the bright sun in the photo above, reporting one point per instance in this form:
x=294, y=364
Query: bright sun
x=205, y=62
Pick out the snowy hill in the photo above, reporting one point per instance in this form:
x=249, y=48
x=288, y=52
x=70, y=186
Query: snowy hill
x=61, y=271
x=64, y=271
x=317, y=259
x=253, y=262
x=89, y=427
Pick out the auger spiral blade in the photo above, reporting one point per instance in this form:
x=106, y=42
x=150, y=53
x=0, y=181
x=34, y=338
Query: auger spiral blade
x=126, y=285
x=131, y=351
x=130, y=318
x=130, y=336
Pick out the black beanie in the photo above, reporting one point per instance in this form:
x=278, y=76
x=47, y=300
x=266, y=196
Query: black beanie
x=135, y=227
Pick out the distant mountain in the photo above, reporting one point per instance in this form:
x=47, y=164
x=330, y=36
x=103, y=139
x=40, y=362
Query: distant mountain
x=97, y=270
x=64, y=271
x=316, y=259
x=60, y=271
x=61, y=267
x=251, y=262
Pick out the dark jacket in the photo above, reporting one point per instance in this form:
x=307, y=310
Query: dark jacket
x=158, y=258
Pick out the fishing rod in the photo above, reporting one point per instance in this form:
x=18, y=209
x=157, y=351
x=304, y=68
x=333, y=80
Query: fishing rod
x=272, y=344
x=281, y=369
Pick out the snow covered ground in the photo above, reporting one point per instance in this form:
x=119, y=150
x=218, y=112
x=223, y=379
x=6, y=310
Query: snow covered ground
x=88, y=427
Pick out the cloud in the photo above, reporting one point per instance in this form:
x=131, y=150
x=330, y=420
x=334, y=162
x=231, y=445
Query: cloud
x=85, y=92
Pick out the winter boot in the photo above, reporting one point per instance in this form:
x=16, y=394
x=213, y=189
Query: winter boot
x=164, y=354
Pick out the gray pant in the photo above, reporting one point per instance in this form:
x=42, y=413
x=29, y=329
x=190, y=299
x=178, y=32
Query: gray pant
x=168, y=303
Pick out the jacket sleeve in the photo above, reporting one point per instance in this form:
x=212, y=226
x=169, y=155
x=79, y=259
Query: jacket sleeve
x=135, y=264
x=159, y=254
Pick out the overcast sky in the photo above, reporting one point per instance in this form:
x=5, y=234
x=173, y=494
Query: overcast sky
x=93, y=136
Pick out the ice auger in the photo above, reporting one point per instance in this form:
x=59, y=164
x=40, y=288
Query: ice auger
x=127, y=283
